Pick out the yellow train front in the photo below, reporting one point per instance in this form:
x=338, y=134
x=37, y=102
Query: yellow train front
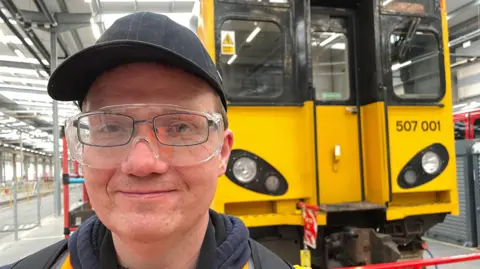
x=341, y=104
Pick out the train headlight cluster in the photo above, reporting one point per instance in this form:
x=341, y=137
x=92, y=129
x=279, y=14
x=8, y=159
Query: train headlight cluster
x=426, y=165
x=431, y=162
x=252, y=172
x=244, y=169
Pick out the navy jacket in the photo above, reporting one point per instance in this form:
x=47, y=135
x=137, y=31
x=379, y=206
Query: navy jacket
x=226, y=246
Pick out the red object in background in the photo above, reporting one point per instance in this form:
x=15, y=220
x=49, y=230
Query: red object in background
x=417, y=264
x=66, y=195
x=75, y=167
x=309, y=225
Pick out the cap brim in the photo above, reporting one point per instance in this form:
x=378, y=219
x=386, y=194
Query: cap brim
x=72, y=79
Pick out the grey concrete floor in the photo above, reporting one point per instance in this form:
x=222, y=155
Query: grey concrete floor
x=441, y=249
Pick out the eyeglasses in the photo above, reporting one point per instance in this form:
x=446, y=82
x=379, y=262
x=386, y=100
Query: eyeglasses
x=104, y=138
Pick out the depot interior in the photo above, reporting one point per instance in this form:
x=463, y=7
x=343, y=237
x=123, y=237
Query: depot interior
x=27, y=120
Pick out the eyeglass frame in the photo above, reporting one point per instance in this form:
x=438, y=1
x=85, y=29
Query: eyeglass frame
x=213, y=119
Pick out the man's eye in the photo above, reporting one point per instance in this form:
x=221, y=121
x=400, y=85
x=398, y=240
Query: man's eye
x=111, y=128
x=180, y=128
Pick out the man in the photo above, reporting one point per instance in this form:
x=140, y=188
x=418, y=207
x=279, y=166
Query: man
x=153, y=139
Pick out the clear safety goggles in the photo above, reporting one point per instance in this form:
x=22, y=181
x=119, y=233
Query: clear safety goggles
x=105, y=138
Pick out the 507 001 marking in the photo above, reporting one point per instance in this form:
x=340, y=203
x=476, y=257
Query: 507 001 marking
x=414, y=125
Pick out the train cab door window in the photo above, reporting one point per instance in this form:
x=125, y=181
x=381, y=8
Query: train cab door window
x=331, y=77
x=476, y=129
x=251, y=60
x=460, y=129
x=336, y=109
x=416, y=65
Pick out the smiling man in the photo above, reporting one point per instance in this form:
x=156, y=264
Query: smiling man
x=153, y=139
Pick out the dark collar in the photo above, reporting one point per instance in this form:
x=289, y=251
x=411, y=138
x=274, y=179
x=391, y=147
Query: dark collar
x=214, y=236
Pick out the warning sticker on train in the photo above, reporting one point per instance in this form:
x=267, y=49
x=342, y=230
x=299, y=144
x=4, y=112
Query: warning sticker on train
x=309, y=227
x=228, y=42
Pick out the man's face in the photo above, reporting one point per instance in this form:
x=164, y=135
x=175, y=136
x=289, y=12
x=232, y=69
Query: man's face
x=189, y=190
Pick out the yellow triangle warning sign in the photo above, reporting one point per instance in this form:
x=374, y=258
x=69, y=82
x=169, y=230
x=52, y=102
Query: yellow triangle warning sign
x=228, y=40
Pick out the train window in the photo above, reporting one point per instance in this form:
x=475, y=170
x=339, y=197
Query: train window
x=416, y=65
x=459, y=129
x=257, y=1
x=409, y=6
x=331, y=78
x=476, y=129
x=251, y=59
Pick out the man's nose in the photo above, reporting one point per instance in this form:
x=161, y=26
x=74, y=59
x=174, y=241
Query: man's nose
x=142, y=160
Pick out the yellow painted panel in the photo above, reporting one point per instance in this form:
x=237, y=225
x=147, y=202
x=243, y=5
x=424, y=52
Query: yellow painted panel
x=374, y=153
x=340, y=179
x=206, y=29
x=404, y=145
x=283, y=136
x=400, y=212
x=280, y=219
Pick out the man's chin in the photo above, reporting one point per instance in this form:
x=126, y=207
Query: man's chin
x=148, y=228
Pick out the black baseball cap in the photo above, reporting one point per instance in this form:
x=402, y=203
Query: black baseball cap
x=137, y=37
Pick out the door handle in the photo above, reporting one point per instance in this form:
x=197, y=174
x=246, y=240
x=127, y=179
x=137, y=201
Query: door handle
x=353, y=110
x=336, y=158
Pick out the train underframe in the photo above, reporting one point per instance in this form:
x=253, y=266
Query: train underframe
x=350, y=240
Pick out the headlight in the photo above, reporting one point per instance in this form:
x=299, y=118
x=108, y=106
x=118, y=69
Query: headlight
x=431, y=162
x=410, y=177
x=272, y=183
x=244, y=169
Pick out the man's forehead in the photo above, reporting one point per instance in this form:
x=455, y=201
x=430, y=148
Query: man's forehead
x=140, y=82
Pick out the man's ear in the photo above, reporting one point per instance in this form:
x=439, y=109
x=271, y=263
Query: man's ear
x=226, y=150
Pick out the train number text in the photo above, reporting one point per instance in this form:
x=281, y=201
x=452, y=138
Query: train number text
x=413, y=126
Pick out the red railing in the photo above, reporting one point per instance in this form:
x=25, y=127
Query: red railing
x=418, y=264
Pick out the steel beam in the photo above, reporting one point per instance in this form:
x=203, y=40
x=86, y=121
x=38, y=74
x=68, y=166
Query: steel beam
x=56, y=130
x=461, y=9
x=28, y=47
x=42, y=7
x=75, y=35
x=60, y=17
x=19, y=65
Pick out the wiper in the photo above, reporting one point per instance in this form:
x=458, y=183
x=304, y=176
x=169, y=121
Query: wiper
x=405, y=43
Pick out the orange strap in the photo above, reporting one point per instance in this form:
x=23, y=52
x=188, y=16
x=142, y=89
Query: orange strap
x=67, y=265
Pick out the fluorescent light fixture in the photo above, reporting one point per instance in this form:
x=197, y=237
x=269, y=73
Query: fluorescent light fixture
x=467, y=44
x=328, y=40
x=460, y=105
x=253, y=34
x=20, y=58
x=23, y=87
x=4, y=69
x=230, y=61
x=386, y=2
x=13, y=39
x=397, y=66
x=25, y=80
x=20, y=54
x=336, y=46
x=95, y=28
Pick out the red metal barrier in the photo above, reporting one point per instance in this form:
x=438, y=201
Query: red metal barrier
x=417, y=264
x=66, y=195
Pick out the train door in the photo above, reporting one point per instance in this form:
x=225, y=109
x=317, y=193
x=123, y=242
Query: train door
x=336, y=113
x=474, y=124
x=461, y=126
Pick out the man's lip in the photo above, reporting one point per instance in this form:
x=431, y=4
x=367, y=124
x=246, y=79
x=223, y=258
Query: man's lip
x=146, y=192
